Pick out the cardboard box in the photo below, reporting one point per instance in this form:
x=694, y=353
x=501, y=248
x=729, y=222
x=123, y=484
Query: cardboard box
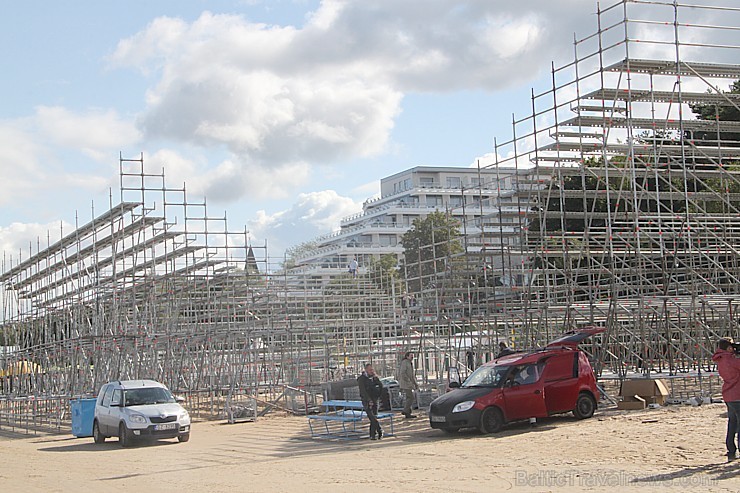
x=652, y=391
x=632, y=403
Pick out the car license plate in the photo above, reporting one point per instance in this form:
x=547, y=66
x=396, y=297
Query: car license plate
x=438, y=419
x=166, y=426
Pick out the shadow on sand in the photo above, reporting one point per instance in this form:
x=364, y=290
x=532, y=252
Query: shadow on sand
x=87, y=445
x=695, y=476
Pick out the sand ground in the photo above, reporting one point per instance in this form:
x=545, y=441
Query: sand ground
x=669, y=449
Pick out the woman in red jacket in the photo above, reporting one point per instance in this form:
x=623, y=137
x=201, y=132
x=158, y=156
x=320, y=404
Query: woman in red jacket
x=728, y=366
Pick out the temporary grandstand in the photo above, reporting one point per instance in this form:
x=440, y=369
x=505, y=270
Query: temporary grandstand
x=632, y=216
x=635, y=227
x=632, y=223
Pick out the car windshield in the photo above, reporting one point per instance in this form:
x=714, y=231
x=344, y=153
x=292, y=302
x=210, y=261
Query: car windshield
x=487, y=376
x=147, y=395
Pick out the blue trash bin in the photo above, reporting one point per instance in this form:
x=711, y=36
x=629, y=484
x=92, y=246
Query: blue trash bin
x=83, y=412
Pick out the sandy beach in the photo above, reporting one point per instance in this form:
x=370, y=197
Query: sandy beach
x=667, y=449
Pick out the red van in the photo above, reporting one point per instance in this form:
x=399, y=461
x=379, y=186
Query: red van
x=555, y=379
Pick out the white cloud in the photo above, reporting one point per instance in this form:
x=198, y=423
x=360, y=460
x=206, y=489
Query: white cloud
x=20, y=158
x=278, y=101
x=148, y=47
x=328, y=91
x=231, y=180
x=228, y=180
x=32, y=153
x=80, y=181
x=513, y=38
x=94, y=133
x=20, y=240
x=368, y=190
x=179, y=170
x=311, y=215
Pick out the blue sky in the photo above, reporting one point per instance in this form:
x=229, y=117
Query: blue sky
x=283, y=113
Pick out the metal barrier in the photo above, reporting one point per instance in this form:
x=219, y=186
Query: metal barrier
x=32, y=415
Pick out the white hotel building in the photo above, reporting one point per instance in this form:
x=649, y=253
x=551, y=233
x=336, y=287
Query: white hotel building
x=500, y=196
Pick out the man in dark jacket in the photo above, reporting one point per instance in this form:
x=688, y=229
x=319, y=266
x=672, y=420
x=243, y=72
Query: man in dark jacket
x=370, y=389
x=728, y=366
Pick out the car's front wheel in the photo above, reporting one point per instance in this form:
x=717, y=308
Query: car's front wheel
x=97, y=436
x=585, y=406
x=491, y=420
x=183, y=438
x=124, y=438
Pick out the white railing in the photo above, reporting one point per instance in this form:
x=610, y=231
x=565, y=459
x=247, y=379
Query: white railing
x=358, y=228
x=472, y=208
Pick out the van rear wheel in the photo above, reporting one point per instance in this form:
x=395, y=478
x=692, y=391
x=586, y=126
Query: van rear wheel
x=585, y=406
x=491, y=420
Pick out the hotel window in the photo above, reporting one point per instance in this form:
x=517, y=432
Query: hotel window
x=453, y=182
x=434, y=200
x=426, y=181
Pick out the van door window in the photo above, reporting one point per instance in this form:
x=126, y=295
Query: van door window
x=107, y=397
x=116, y=399
x=101, y=394
x=527, y=374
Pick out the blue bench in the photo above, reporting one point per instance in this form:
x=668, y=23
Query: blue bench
x=340, y=420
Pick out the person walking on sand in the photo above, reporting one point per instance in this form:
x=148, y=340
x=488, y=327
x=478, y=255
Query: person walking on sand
x=728, y=366
x=407, y=382
x=370, y=390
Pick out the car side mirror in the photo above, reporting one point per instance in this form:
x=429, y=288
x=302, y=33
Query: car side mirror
x=454, y=385
x=115, y=404
x=179, y=399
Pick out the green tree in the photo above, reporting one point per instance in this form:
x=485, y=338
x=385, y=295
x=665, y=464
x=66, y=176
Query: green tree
x=292, y=254
x=427, y=248
x=384, y=272
x=724, y=112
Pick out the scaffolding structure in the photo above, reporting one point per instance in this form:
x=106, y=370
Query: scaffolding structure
x=144, y=289
x=158, y=287
x=627, y=217
x=632, y=204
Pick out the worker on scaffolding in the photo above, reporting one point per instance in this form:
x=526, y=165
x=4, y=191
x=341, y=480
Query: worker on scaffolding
x=503, y=350
x=353, y=267
x=470, y=359
x=728, y=366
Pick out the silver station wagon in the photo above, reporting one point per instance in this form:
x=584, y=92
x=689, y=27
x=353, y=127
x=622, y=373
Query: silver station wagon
x=139, y=409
